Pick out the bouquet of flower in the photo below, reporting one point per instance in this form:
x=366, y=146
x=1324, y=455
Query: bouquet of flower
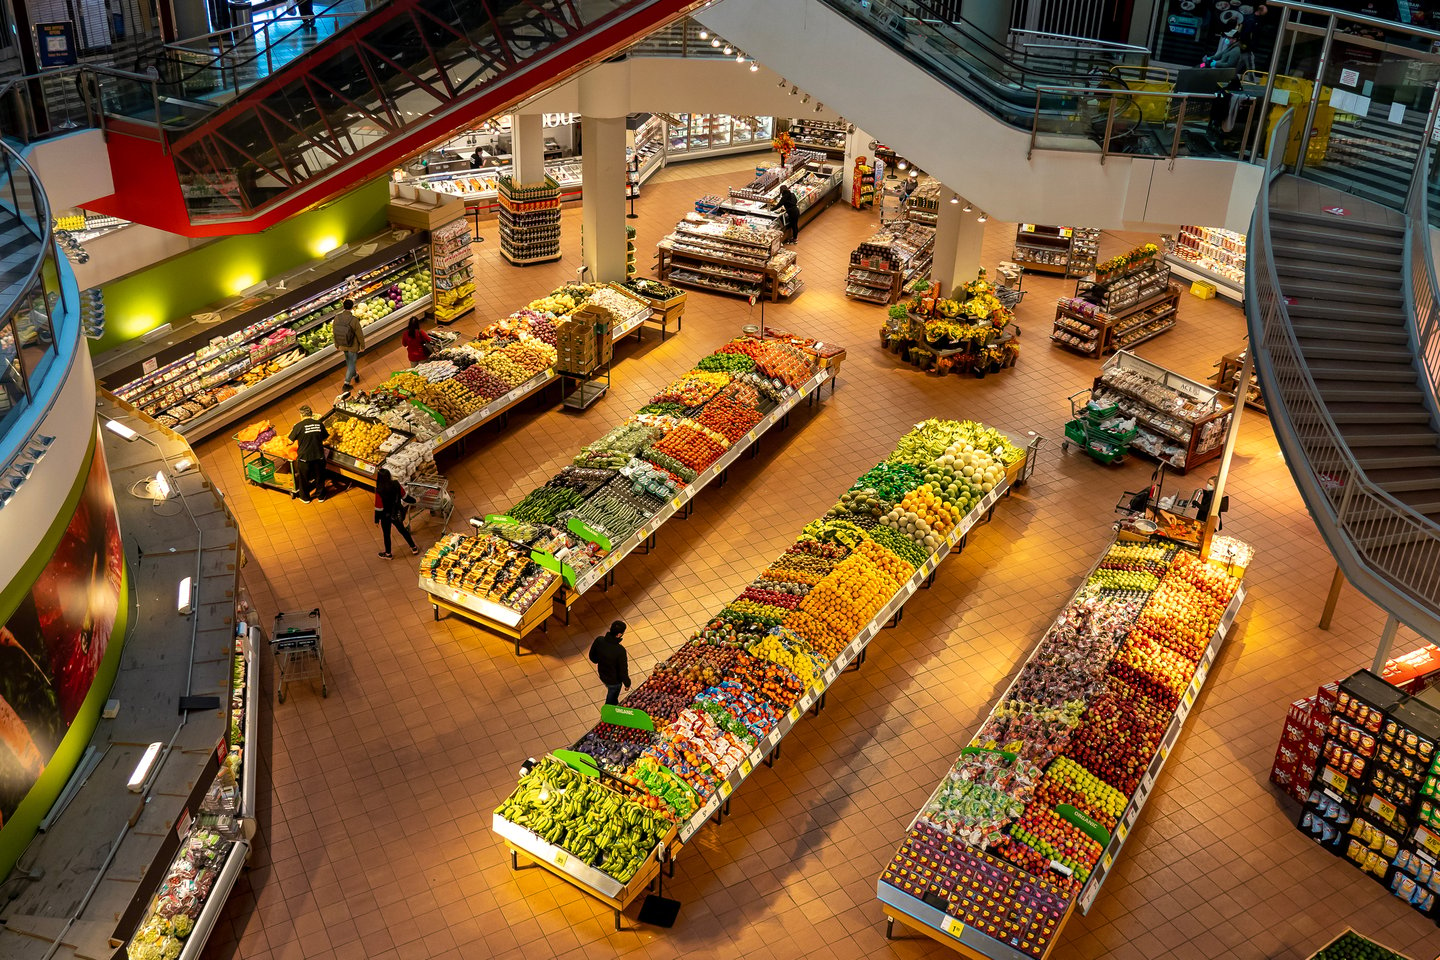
x=784, y=145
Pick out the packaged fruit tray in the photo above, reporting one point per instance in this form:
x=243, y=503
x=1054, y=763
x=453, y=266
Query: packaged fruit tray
x=720, y=704
x=1056, y=778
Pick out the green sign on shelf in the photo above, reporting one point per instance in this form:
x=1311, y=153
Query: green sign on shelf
x=1003, y=753
x=581, y=763
x=501, y=519
x=548, y=562
x=584, y=531
x=626, y=717
x=1086, y=825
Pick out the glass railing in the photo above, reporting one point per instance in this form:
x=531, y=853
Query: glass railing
x=31, y=298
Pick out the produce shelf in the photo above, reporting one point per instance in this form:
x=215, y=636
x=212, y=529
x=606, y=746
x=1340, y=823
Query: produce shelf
x=507, y=621
x=971, y=942
x=460, y=429
x=621, y=550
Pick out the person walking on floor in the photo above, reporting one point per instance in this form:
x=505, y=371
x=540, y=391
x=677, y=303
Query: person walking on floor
x=349, y=339
x=417, y=342
x=391, y=505
x=310, y=436
x=611, y=662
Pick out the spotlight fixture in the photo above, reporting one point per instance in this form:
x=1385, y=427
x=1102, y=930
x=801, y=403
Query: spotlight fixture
x=967, y=208
x=754, y=66
x=794, y=89
x=982, y=218
x=819, y=106
x=715, y=42
x=782, y=83
x=729, y=49
x=704, y=34
x=739, y=58
x=914, y=172
x=902, y=165
x=954, y=198
x=805, y=99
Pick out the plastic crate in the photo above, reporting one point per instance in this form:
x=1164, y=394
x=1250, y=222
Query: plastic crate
x=1099, y=414
x=260, y=471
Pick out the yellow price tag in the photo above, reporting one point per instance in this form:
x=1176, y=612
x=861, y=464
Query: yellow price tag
x=1108, y=861
x=726, y=790
x=794, y=714
x=1165, y=752
x=953, y=927
x=560, y=859
x=745, y=768
x=1122, y=832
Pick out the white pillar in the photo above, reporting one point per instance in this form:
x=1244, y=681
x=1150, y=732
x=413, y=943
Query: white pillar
x=958, y=239
x=527, y=147
x=602, y=214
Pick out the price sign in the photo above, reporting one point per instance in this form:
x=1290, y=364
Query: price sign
x=953, y=927
x=1122, y=831
x=794, y=714
x=830, y=675
x=750, y=437
x=1384, y=808
x=677, y=502
x=745, y=768
x=1107, y=860
x=1189, y=698
x=817, y=689
x=1428, y=839
x=773, y=739
x=560, y=858
x=1165, y=751
x=726, y=790
x=1337, y=780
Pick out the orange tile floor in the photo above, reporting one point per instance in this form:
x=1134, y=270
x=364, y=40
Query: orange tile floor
x=375, y=838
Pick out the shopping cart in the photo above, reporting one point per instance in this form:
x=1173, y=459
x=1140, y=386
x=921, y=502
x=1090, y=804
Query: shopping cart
x=299, y=652
x=1094, y=428
x=432, y=494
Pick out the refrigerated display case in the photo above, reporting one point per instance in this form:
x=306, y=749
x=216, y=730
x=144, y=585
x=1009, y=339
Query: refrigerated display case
x=711, y=134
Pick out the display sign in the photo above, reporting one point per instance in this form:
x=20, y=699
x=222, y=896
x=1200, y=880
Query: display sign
x=581, y=763
x=53, y=642
x=626, y=717
x=56, y=42
x=1337, y=211
x=1349, y=78
x=584, y=531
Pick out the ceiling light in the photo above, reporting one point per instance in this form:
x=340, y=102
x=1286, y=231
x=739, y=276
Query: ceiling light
x=967, y=208
x=184, y=601
x=794, y=89
x=902, y=164
x=729, y=49
x=782, y=83
x=914, y=172
x=954, y=198
x=120, y=430
x=754, y=66
x=739, y=58
x=805, y=99
x=819, y=106
x=142, y=769
x=982, y=218
x=704, y=34
x=715, y=42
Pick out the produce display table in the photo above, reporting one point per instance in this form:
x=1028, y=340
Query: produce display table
x=496, y=617
x=601, y=572
x=460, y=429
x=1029, y=910
x=662, y=745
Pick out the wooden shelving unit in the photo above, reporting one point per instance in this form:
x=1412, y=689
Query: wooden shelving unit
x=1119, y=313
x=1227, y=378
x=529, y=221
x=1069, y=251
x=822, y=136
x=1180, y=422
x=698, y=254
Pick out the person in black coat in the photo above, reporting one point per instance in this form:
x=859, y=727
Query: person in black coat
x=391, y=505
x=791, y=206
x=611, y=662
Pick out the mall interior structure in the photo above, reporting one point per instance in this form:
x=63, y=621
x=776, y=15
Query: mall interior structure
x=748, y=478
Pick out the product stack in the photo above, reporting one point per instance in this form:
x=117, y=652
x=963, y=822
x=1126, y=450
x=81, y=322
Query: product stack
x=1375, y=795
x=862, y=184
x=453, y=271
x=1127, y=301
x=529, y=220
x=1211, y=255
x=821, y=136
x=923, y=205
x=725, y=255
x=1226, y=379
x=688, y=736
x=888, y=262
x=250, y=352
x=1027, y=824
x=1067, y=250
x=622, y=487
x=667, y=304
x=968, y=333
x=1179, y=421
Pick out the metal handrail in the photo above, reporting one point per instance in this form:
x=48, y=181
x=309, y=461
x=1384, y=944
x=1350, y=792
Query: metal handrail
x=1390, y=539
x=43, y=232
x=1118, y=93
x=1423, y=290
x=15, y=89
x=244, y=48
x=1088, y=43
x=1389, y=26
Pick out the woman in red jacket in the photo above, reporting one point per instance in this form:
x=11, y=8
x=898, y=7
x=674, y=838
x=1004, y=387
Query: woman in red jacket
x=416, y=341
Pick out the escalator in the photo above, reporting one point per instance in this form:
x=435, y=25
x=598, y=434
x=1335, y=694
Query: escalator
x=1100, y=139
x=349, y=107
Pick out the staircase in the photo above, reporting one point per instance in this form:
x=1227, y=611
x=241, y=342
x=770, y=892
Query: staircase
x=1354, y=413
x=1372, y=157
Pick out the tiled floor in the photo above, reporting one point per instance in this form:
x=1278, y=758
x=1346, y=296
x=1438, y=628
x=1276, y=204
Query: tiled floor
x=376, y=838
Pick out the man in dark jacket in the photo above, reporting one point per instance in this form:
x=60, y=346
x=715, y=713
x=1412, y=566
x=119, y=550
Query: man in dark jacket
x=791, y=206
x=349, y=339
x=310, y=435
x=611, y=662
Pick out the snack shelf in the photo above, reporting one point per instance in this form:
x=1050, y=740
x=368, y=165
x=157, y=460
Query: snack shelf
x=602, y=569
x=852, y=651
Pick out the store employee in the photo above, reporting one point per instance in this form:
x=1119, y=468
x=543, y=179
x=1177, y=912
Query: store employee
x=310, y=436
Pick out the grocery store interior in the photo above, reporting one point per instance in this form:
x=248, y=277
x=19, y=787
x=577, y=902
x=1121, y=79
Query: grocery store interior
x=987, y=586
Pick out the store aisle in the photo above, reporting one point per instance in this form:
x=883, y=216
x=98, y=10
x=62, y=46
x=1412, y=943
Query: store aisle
x=376, y=841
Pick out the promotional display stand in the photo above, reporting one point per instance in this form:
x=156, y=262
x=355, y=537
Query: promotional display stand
x=1178, y=421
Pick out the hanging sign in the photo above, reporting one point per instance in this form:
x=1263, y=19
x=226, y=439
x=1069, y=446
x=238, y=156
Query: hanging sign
x=56, y=42
x=1349, y=78
x=1337, y=211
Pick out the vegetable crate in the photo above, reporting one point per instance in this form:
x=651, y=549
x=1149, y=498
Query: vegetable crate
x=1349, y=938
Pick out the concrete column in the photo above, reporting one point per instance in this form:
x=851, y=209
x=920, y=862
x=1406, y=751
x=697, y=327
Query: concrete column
x=991, y=17
x=527, y=147
x=602, y=212
x=958, y=239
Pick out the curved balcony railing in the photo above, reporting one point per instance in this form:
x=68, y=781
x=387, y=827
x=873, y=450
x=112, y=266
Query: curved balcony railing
x=31, y=300
x=1388, y=550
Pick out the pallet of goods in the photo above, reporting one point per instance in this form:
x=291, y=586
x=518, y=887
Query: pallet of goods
x=620, y=489
x=452, y=271
x=658, y=767
x=667, y=303
x=529, y=221
x=1029, y=821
